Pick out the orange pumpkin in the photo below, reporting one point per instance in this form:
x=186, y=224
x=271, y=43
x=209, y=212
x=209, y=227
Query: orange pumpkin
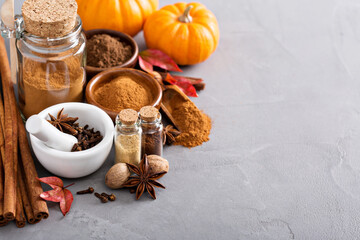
x=188, y=33
x=126, y=16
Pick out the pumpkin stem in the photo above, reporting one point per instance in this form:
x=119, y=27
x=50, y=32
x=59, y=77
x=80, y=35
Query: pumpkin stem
x=186, y=18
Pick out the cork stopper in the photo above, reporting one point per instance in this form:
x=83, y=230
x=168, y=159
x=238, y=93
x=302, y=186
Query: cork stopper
x=49, y=18
x=149, y=113
x=128, y=116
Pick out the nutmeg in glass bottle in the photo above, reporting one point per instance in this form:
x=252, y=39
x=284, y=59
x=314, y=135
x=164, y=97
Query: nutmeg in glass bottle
x=152, y=131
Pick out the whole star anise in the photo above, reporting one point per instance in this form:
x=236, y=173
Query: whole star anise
x=170, y=134
x=143, y=180
x=63, y=122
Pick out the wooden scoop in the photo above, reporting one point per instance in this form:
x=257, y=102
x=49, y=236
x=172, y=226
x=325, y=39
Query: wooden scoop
x=172, y=95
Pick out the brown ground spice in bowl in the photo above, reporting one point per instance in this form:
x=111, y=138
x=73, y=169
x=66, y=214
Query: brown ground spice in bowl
x=104, y=51
x=194, y=125
x=121, y=93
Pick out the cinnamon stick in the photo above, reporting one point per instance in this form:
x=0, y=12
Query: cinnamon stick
x=2, y=141
x=25, y=199
x=2, y=115
x=197, y=83
x=20, y=217
x=3, y=223
x=14, y=119
x=2, y=219
x=1, y=190
x=33, y=185
x=2, y=157
x=9, y=170
x=15, y=152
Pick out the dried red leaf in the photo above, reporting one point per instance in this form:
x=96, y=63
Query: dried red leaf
x=183, y=83
x=65, y=203
x=58, y=194
x=147, y=67
x=52, y=181
x=170, y=79
x=158, y=58
x=153, y=57
x=55, y=195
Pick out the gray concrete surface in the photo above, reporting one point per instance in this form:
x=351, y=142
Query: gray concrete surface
x=283, y=161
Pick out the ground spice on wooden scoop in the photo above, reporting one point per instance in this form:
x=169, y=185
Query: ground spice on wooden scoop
x=194, y=125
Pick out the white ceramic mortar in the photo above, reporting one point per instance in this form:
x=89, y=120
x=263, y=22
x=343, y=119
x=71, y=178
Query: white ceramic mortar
x=76, y=164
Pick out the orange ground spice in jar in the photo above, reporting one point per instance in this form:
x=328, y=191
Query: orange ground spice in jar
x=51, y=55
x=49, y=83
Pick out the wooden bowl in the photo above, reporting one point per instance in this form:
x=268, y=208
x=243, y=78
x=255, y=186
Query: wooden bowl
x=107, y=76
x=92, y=71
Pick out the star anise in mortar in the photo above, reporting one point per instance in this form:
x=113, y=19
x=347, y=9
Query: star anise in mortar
x=169, y=134
x=143, y=180
x=63, y=122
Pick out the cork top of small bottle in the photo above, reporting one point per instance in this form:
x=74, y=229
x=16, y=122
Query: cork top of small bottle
x=149, y=113
x=49, y=18
x=128, y=116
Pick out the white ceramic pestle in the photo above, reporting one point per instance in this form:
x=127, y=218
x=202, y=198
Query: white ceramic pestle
x=49, y=134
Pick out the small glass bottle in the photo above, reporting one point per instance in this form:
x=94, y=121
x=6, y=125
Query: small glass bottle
x=127, y=137
x=152, y=131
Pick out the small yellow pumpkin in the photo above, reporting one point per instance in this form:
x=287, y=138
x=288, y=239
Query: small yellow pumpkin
x=188, y=33
x=126, y=16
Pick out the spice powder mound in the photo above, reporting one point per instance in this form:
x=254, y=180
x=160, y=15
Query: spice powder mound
x=122, y=93
x=47, y=83
x=127, y=149
x=105, y=51
x=195, y=125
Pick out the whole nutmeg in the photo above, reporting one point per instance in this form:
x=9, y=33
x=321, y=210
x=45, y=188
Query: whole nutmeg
x=157, y=76
x=157, y=164
x=117, y=176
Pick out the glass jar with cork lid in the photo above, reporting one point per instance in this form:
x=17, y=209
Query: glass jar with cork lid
x=127, y=137
x=152, y=136
x=51, y=54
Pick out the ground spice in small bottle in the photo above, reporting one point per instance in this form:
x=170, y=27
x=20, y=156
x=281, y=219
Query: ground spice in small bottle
x=152, y=131
x=127, y=137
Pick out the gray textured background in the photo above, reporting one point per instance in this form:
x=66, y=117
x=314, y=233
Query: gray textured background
x=283, y=159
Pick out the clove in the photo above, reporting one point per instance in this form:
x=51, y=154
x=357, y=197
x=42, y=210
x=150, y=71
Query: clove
x=110, y=197
x=89, y=190
x=102, y=198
